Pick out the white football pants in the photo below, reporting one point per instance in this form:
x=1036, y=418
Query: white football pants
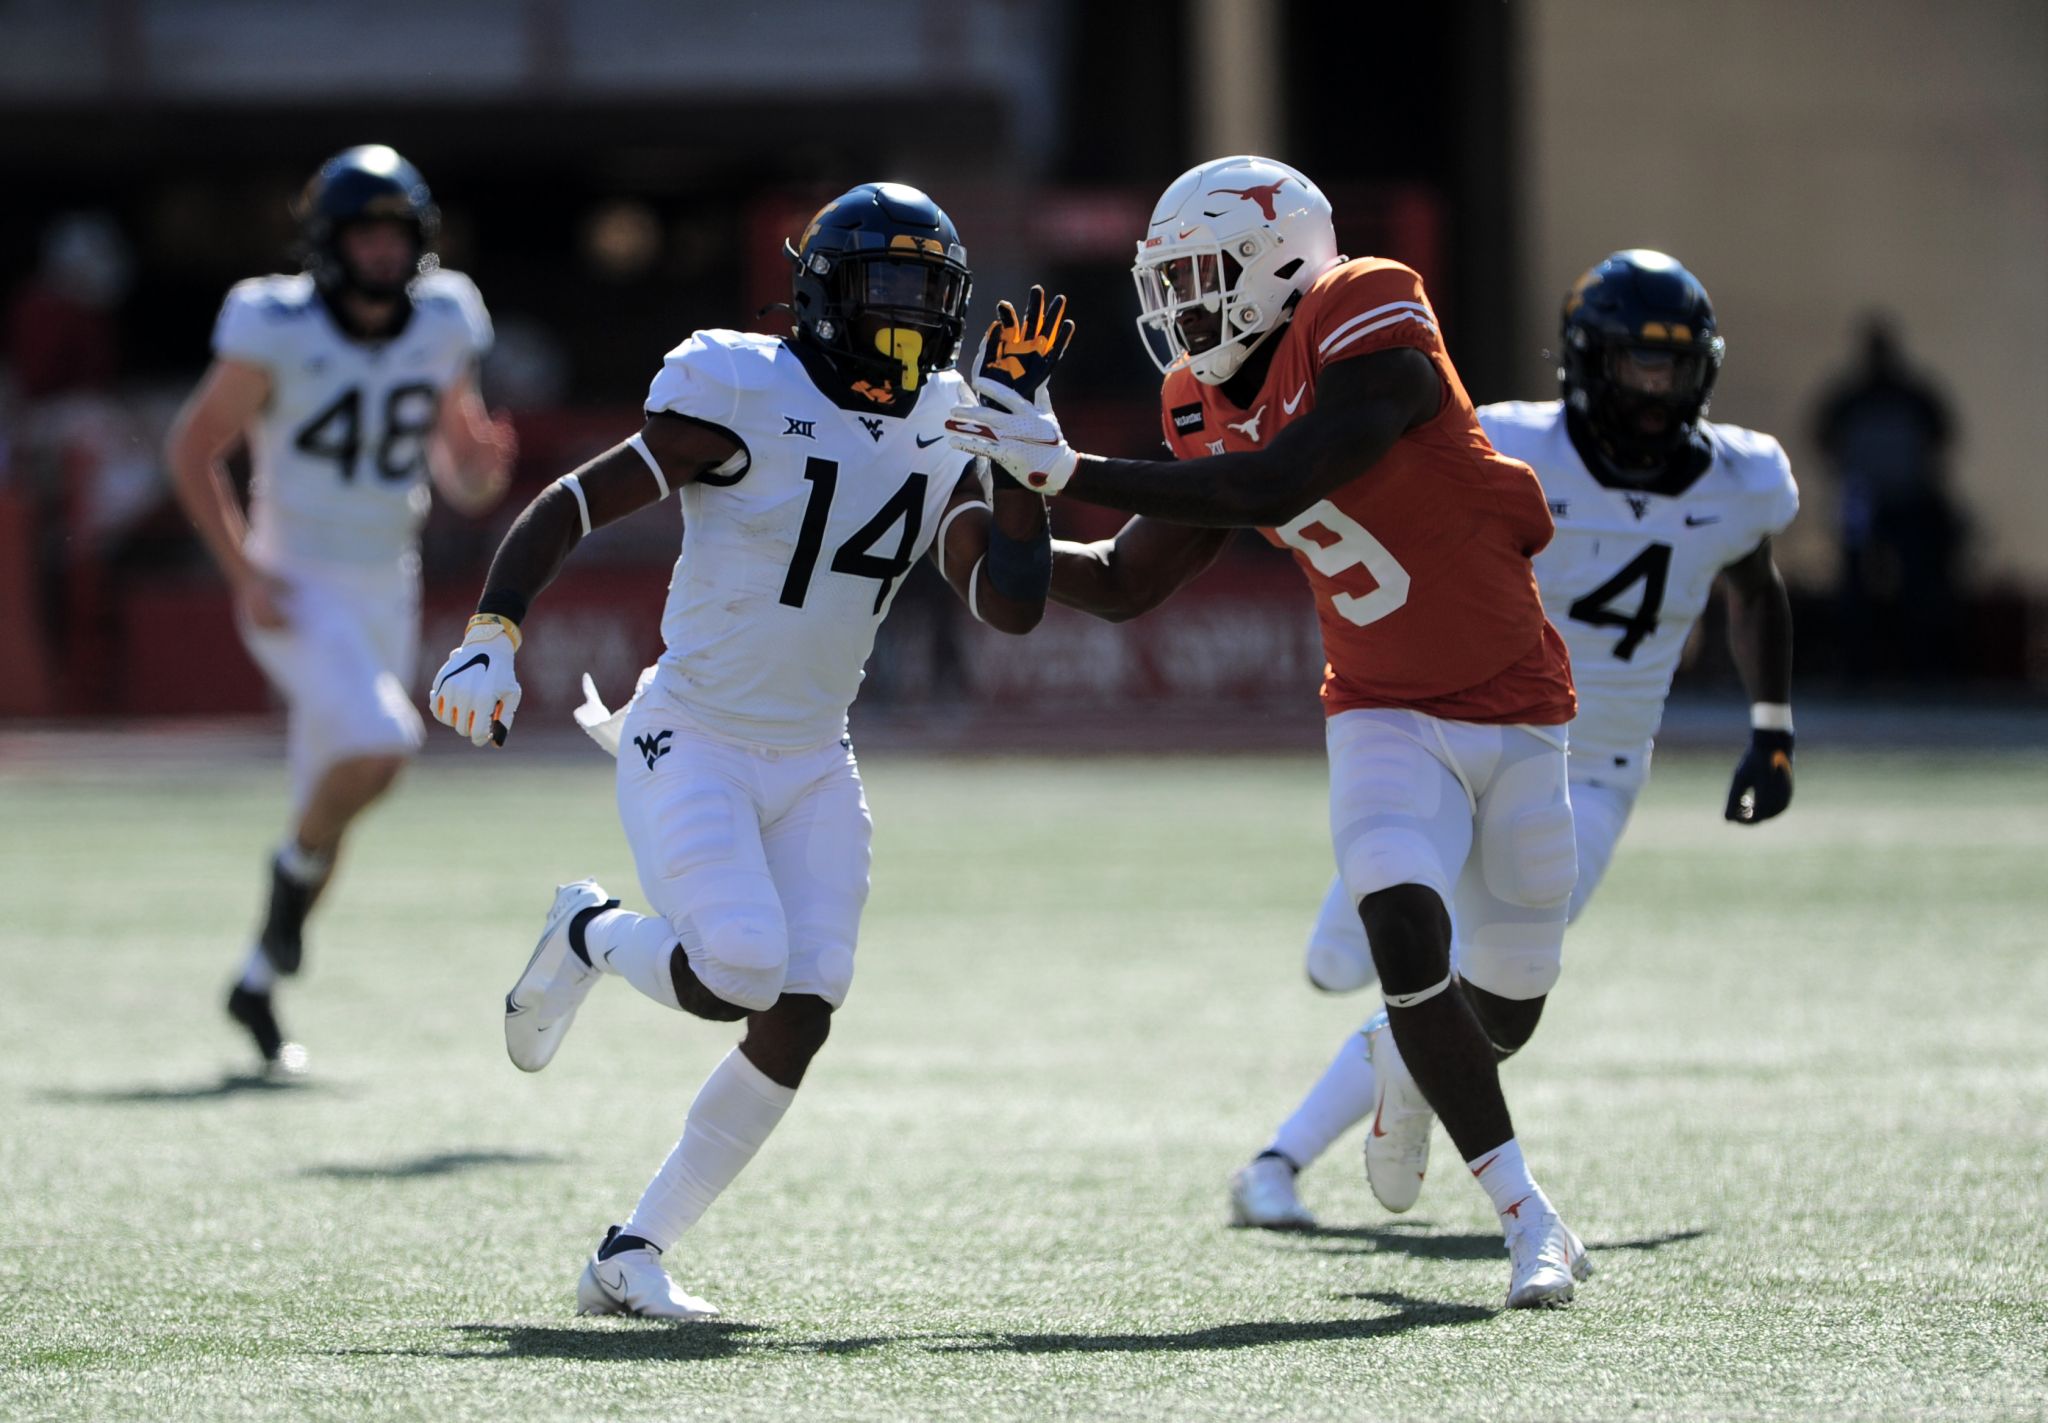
x=1478, y=813
x=343, y=667
x=1604, y=785
x=758, y=858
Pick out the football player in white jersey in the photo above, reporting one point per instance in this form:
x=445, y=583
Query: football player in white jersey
x=813, y=471
x=353, y=385
x=1653, y=504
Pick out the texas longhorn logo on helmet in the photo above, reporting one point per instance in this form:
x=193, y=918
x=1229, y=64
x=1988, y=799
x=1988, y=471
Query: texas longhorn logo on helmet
x=1261, y=193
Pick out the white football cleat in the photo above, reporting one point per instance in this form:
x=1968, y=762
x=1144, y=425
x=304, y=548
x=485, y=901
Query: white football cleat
x=544, y=1001
x=633, y=1282
x=1397, y=1143
x=1262, y=1194
x=1545, y=1259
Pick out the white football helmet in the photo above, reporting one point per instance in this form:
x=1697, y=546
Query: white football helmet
x=1236, y=238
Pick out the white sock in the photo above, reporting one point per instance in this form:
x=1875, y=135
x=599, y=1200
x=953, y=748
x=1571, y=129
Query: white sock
x=301, y=865
x=636, y=947
x=1504, y=1176
x=257, y=974
x=735, y=1110
x=1340, y=1099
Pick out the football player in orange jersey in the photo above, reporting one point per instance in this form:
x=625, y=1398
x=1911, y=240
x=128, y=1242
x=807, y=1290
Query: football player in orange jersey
x=1312, y=398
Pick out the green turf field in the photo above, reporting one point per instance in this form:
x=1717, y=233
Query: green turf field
x=1793, y=1092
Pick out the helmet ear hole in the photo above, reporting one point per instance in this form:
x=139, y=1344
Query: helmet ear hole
x=1287, y=269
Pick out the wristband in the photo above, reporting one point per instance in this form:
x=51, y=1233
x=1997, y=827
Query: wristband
x=1770, y=716
x=504, y=624
x=1019, y=569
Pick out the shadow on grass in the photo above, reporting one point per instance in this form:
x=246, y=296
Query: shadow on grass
x=233, y=1084
x=623, y=1341
x=441, y=1163
x=1416, y=1239
x=627, y=1341
x=1407, y=1314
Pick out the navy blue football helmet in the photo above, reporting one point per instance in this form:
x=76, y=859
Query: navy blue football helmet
x=1640, y=354
x=880, y=288
x=363, y=184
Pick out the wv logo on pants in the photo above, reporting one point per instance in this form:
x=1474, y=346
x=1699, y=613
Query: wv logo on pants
x=653, y=747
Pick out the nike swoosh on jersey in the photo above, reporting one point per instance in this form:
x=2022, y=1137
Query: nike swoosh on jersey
x=924, y=444
x=1288, y=405
x=1693, y=523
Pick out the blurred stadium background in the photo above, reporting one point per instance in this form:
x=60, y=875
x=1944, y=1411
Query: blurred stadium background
x=1796, y=1087
x=616, y=173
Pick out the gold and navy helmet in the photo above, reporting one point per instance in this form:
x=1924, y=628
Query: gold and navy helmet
x=363, y=184
x=1640, y=354
x=880, y=287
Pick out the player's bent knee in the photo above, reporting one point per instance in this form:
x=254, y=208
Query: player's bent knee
x=699, y=1001
x=1340, y=966
x=1338, y=959
x=1410, y=933
x=740, y=953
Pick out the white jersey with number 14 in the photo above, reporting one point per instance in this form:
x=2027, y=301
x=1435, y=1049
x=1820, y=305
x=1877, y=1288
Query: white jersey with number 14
x=792, y=554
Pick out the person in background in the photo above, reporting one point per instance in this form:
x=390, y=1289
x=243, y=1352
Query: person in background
x=353, y=384
x=1886, y=432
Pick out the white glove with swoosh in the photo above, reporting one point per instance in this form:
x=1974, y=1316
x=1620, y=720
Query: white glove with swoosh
x=1026, y=442
x=477, y=683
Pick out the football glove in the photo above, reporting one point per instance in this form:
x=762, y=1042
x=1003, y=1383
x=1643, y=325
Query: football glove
x=1013, y=369
x=476, y=691
x=1026, y=443
x=1763, y=782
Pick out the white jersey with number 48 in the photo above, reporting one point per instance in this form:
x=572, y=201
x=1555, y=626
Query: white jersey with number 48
x=793, y=551
x=338, y=456
x=1629, y=573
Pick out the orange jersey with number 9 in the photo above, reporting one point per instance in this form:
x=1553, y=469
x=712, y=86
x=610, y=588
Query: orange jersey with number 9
x=1421, y=568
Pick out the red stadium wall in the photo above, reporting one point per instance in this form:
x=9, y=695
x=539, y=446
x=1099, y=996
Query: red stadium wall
x=1244, y=636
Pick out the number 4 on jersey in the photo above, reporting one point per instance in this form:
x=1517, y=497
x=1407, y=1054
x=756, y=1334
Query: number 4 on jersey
x=1650, y=568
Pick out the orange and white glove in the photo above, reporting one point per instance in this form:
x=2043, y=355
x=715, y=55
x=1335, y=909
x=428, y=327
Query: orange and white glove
x=1026, y=443
x=476, y=691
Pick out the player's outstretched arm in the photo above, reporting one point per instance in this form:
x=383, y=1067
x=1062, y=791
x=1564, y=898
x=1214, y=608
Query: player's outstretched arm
x=995, y=550
x=1363, y=405
x=476, y=691
x=1147, y=562
x=471, y=453
x=1760, y=638
x=231, y=394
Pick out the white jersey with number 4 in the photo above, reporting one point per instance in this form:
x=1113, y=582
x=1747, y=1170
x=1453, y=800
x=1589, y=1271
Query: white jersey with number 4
x=338, y=456
x=793, y=551
x=1628, y=573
